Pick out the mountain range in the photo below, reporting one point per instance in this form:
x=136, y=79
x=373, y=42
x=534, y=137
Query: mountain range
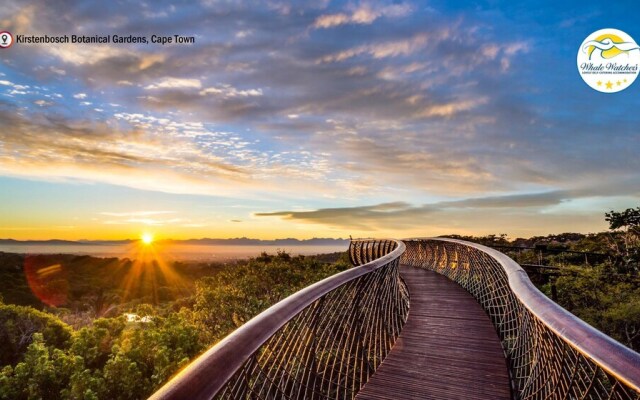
x=243, y=241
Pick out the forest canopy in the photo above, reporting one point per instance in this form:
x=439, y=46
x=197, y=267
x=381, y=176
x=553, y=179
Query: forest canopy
x=94, y=349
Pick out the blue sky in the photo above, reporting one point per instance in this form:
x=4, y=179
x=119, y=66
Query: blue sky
x=312, y=118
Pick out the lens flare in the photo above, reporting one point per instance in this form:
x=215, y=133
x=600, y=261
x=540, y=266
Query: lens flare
x=47, y=281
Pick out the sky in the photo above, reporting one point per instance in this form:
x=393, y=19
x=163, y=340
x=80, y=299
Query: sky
x=312, y=119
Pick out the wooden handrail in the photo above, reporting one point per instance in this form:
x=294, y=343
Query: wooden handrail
x=620, y=363
x=210, y=372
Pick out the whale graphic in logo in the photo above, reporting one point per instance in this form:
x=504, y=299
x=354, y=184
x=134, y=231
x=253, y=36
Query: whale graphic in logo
x=608, y=46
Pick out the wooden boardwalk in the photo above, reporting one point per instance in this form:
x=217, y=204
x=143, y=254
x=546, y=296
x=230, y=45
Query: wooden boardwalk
x=448, y=348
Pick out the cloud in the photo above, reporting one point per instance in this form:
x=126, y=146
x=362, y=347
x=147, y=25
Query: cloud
x=401, y=102
x=106, y=153
x=229, y=91
x=510, y=201
x=387, y=49
x=330, y=20
x=244, y=33
x=451, y=108
x=153, y=221
x=149, y=153
x=80, y=96
x=175, y=83
x=364, y=14
x=145, y=221
x=14, y=86
x=78, y=54
x=392, y=216
x=135, y=213
x=402, y=213
x=362, y=217
x=19, y=18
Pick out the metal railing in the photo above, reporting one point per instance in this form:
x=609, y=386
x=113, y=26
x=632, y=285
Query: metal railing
x=324, y=341
x=551, y=354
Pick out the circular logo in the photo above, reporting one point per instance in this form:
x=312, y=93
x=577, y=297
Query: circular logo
x=6, y=40
x=608, y=60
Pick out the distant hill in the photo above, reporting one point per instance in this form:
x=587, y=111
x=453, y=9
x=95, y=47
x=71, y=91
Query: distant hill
x=244, y=241
x=259, y=242
x=52, y=242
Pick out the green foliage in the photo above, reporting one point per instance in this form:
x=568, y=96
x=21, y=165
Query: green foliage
x=94, y=343
x=608, y=301
x=110, y=358
x=43, y=374
x=488, y=240
x=13, y=282
x=628, y=219
x=626, y=243
x=229, y=299
x=18, y=324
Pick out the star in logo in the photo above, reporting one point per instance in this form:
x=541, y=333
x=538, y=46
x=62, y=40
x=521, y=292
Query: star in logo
x=609, y=85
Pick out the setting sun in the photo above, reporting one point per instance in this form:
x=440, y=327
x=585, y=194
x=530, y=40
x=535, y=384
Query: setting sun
x=146, y=238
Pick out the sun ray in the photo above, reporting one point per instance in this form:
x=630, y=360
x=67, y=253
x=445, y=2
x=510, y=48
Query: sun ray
x=149, y=270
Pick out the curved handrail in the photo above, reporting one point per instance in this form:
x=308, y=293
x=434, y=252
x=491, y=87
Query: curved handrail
x=218, y=369
x=620, y=366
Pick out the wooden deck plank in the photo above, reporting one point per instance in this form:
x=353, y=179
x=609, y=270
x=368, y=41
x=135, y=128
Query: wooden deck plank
x=448, y=349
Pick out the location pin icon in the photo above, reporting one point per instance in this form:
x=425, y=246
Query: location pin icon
x=4, y=39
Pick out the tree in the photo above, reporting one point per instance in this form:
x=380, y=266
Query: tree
x=44, y=374
x=112, y=358
x=604, y=300
x=18, y=324
x=94, y=343
x=626, y=239
x=628, y=220
x=607, y=295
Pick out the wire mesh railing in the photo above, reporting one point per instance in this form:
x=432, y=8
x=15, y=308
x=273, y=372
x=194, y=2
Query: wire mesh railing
x=551, y=354
x=323, y=342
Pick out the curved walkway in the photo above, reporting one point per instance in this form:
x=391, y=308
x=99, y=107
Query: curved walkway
x=448, y=349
